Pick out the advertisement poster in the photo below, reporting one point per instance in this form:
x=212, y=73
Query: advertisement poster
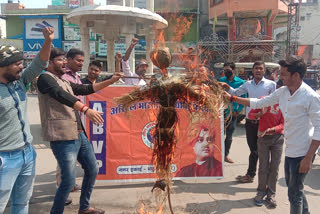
x=74, y=3
x=103, y=48
x=68, y=24
x=120, y=46
x=72, y=33
x=249, y=28
x=33, y=27
x=123, y=144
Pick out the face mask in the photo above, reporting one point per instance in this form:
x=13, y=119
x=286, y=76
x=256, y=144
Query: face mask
x=228, y=73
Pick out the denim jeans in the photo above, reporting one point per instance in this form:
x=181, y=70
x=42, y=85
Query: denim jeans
x=67, y=153
x=17, y=173
x=229, y=131
x=294, y=180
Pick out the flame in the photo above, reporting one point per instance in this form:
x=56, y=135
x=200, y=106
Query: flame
x=160, y=39
x=181, y=27
x=143, y=211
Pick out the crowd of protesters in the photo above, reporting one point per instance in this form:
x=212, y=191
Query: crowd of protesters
x=278, y=109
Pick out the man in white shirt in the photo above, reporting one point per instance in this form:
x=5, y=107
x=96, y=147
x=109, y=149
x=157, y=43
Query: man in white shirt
x=300, y=106
x=140, y=69
x=255, y=88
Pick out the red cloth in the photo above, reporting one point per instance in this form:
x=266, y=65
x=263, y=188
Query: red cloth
x=272, y=118
x=211, y=167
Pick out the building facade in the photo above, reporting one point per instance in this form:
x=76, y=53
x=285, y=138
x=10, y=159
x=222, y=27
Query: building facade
x=309, y=35
x=248, y=27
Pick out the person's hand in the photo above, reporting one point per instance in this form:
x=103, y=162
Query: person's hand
x=264, y=110
x=116, y=76
x=305, y=165
x=224, y=85
x=258, y=115
x=226, y=95
x=48, y=33
x=94, y=116
x=118, y=57
x=261, y=134
x=134, y=41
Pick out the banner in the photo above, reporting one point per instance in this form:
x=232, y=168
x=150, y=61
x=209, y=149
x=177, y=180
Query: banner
x=123, y=144
x=33, y=27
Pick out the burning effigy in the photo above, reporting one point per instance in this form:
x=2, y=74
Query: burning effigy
x=204, y=97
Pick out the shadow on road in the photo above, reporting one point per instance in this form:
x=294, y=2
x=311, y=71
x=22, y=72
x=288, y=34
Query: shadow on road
x=312, y=180
x=218, y=206
x=228, y=188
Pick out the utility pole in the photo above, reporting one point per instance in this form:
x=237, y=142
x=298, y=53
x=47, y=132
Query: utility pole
x=293, y=28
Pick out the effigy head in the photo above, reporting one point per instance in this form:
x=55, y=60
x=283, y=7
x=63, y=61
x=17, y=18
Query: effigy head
x=161, y=57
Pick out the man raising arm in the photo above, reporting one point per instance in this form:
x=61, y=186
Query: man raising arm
x=17, y=174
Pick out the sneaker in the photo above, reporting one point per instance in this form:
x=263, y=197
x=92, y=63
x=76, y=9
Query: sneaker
x=271, y=202
x=68, y=201
x=228, y=160
x=258, y=200
x=244, y=179
x=76, y=188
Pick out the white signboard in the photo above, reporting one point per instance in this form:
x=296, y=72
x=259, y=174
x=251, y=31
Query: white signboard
x=74, y=44
x=34, y=27
x=72, y=33
x=118, y=47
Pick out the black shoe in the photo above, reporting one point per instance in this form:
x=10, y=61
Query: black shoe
x=68, y=201
x=271, y=202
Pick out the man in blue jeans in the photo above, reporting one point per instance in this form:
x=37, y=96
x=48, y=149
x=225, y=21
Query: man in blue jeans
x=229, y=69
x=17, y=155
x=61, y=125
x=300, y=106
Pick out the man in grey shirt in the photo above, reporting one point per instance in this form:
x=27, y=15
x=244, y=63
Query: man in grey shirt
x=255, y=88
x=17, y=156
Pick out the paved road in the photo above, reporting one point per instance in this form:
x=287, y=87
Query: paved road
x=197, y=197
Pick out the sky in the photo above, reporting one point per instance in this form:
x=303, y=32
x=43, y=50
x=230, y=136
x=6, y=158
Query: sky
x=43, y=3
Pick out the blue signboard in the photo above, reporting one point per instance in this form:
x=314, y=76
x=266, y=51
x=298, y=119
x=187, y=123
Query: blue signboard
x=36, y=44
x=32, y=31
